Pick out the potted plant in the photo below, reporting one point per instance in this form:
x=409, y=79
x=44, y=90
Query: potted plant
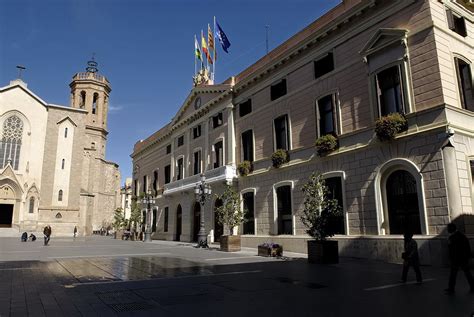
x=119, y=222
x=317, y=216
x=270, y=249
x=244, y=168
x=280, y=157
x=326, y=144
x=230, y=214
x=388, y=126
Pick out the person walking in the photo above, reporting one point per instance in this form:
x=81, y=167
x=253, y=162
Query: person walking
x=75, y=231
x=459, y=255
x=47, y=234
x=410, y=258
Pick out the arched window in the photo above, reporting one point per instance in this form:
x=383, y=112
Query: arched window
x=60, y=195
x=94, y=103
x=402, y=203
x=32, y=205
x=62, y=164
x=65, y=133
x=82, y=102
x=10, y=144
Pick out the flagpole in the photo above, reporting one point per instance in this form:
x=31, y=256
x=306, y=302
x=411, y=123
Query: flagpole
x=195, y=57
x=214, y=41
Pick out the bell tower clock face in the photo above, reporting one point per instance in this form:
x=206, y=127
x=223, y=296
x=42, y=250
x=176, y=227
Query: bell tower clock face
x=197, y=103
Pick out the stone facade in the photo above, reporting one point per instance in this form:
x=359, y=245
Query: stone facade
x=365, y=59
x=61, y=177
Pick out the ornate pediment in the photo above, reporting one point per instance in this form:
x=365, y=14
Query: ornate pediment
x=383, y=38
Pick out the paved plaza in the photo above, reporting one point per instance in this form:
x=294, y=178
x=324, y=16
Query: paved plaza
x=101, y=276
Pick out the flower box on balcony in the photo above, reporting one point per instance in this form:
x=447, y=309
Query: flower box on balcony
x=270, y=249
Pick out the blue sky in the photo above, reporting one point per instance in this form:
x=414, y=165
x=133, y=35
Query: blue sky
x=144, y=47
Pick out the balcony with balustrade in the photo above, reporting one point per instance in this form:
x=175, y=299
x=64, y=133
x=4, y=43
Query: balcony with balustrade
x=224, y=173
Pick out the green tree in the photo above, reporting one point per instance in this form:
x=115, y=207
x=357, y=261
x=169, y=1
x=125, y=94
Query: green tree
x=135, y=215
x=318, y=209
x=230, y=213
x=119, y=219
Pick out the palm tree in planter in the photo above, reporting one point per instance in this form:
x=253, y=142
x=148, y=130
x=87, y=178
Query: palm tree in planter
x=317, y=216
x=230, y=214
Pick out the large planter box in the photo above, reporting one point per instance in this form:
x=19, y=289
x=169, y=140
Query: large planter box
x=270, y=251
x=323, y=252
x=230, y=243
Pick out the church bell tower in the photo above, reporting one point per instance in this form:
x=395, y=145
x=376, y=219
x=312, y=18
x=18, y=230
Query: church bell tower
x=90, y=91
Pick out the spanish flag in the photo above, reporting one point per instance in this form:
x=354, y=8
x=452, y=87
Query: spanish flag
x=204, y=49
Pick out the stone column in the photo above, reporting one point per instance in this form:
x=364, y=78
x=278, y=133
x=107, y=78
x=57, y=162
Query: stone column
x=205, y=153
x=452, y=182
x=230, y=157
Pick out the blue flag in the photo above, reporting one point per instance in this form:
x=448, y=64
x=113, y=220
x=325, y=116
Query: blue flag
x=222, y=38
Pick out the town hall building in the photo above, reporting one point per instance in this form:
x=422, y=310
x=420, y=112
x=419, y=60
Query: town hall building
x=52, y=158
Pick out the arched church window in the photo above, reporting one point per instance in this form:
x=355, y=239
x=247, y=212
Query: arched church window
x=32, y=205
x=82, y=102
x=60, y=195
x=94, y=103
x=10, y=143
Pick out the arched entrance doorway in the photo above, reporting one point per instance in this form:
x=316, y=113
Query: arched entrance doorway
x=196, y=220
x=402, y=203
x=7, y=203
x=218, y=228
x=179, y=218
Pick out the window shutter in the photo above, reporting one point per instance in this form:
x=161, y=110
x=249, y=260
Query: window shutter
x=450, y=17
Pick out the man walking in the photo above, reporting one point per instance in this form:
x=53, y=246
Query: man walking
x=47, y=234
x=411, y=258
x=459, y=254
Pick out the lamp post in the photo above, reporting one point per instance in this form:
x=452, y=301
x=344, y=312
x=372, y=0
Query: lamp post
x=203, y=192
x=148, y=200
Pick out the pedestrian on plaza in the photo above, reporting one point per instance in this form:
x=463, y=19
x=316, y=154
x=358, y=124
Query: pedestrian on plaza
x=410, y=257
x=32, y=237
x=75, y=231
x=459, y=255
x=24, y=237
x=47, y=234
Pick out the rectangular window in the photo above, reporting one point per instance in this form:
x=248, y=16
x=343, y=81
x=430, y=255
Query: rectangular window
x=327, y=115
x=282, y=136
x=155, y=181
x=245, y=108
x=168, y=149
x=285, y=217
x=197, y=131
x=180, y=169
x=248, y=202
x=167, y=174
x=389, y=91
x=135, y=189
x=324, y=65
x=219, y=154
x=197, y=163
x=456, y=23
x=334, y=185
x=145, y=184
x=217, y=120
x=278, y=90
x=180, y=141
x=466, y=90
x=247, y=145
x=165, y=227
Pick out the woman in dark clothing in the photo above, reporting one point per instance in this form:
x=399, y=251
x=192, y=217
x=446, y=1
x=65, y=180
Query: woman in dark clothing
x=459, y=255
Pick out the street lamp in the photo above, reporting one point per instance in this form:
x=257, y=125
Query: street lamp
x=148, y=200
x=202, y=191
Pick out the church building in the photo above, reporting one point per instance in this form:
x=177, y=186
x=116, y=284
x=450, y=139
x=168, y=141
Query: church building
x=52, y=158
